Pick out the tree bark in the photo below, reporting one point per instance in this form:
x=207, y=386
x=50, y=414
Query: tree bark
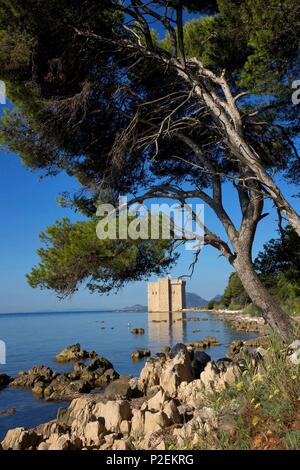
x=276, y=318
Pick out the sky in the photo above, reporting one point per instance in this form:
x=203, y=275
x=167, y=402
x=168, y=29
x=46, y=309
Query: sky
x=28, y=205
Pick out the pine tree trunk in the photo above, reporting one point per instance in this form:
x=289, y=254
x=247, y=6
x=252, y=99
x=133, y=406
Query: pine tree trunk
x=276, y=318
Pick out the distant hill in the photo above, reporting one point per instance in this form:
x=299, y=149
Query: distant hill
x=194, y=300
x=134, y=308
x=218, y=298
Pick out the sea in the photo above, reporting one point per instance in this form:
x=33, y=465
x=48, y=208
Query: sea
x=35, y=338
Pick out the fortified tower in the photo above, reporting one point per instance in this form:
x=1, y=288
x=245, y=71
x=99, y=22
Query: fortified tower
x=166, y=295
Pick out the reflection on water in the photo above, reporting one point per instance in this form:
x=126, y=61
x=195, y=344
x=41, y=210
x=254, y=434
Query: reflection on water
x=169, y=328
x=165, y=328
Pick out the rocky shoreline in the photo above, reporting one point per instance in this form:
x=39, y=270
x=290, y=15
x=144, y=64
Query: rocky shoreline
x=167, y=406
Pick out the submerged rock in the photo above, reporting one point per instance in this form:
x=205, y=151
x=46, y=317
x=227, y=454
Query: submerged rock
x=138, y=331
x=51, y=385
x=140, y=353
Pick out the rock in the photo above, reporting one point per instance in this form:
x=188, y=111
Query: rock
x=54, y=386
x=138, y=331
x=185, y=411
x=223, y=363
x=4, y=380
x=179, y=347
x=175, y=371
x=74, y=353
x=47, y=429
x=294, y=351
x=150, y=374
x=209, y=377
x=19, y=439
x=57, y=387
x=106, y=378
x=293, y=346
x=77, y=416
x=99, y=364
x=11, y=411
x=186, y=436
x=170, y=409
x=144, y=406
x=93, y=433
x=140, y=353
x=121, y=444
x=234, y=348
x=199, y=361
x=229, y=376
x=78, y=386
x=157, y=401
x=42, y=446
x=137, y=422
x=40, y=374
x=57, y=442
x=113, y=412
x=155, y=421
x=295, y=357
x=204, y=343
x=191, y=393
x=211, y=341
x=38, y=388
x=119, y=388
x=167, y=351
x=125, y=427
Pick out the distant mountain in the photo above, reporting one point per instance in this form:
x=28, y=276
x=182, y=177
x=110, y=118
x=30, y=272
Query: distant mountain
x=218, y=298
x=134, y=308
x=194, y=300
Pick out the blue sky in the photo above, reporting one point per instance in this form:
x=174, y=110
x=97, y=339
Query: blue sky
x=28, y=205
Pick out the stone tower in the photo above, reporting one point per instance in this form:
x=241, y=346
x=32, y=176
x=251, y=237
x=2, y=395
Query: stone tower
x=166, y=295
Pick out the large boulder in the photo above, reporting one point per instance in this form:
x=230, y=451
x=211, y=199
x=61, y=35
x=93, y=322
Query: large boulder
x=175, y=371
x=155, y=421
x=150, y=374
x=20, y=439
x=120, y=388
x=93, y=433
x=199, y=361
x=113, y=413
x=59, y=442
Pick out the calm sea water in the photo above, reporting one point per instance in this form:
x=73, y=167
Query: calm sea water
x=35, y=338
